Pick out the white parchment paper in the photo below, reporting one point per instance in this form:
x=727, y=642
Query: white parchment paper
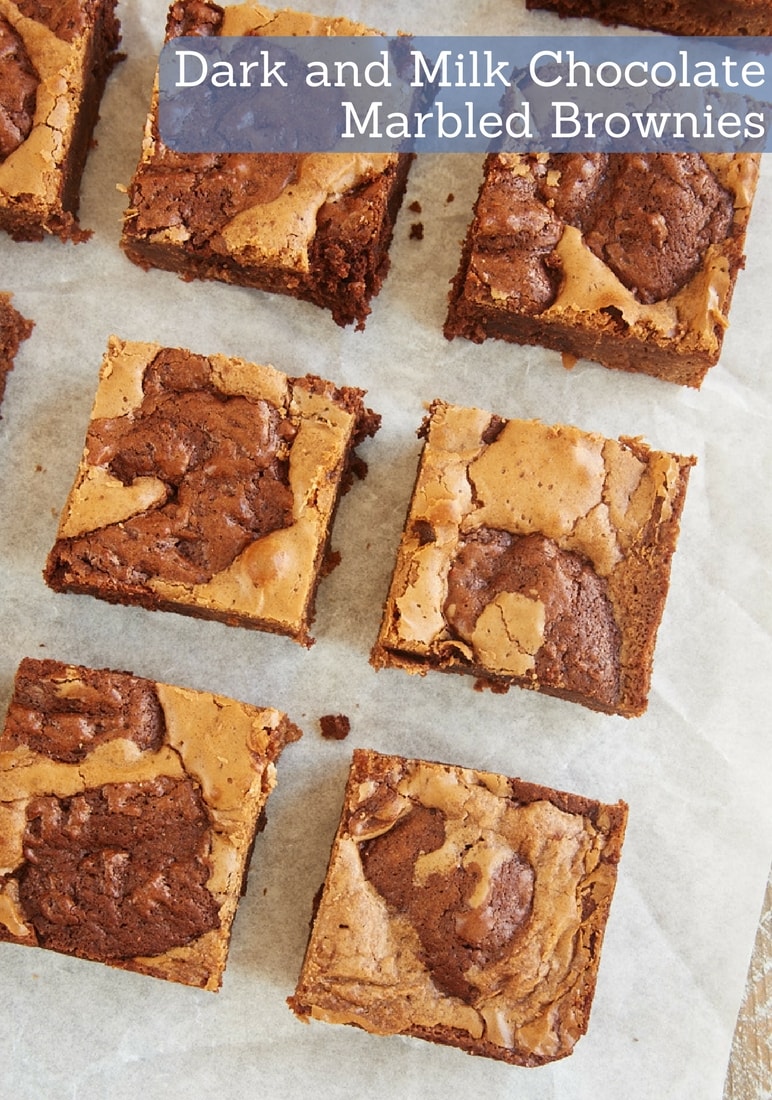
x=695, y=769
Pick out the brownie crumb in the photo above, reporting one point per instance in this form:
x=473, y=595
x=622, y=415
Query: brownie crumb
x=415, y=206
x=330, y=563
x=335, y=727
x=417, y=231
x=451, y=197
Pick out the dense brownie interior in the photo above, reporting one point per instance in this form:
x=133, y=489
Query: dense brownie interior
x=581, y=640
x=118, y=871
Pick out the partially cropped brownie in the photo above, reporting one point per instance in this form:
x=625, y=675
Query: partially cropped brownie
x=627, y=259
x=535, y=555
x=692, y=17
x=208, y=486
x=13, y=329
x=54, y=62
x=315, y=226
x=462, y=907
x=128, y=812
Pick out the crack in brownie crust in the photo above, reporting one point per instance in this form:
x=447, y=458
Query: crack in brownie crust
x=462, y=907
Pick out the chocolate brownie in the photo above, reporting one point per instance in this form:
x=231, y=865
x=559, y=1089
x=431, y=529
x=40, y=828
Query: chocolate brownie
x=13, y=329
x=129, y=810
x=208, y=486
x=462, y=907
x=627, y=259
x=535, y=555
x=314, y=226
x=692, y=17
x=54, y=62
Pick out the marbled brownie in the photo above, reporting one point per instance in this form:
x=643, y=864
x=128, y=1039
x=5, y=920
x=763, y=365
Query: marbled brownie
x=462, y=907
x=128, y=811
x=536, y=555
x=208, y=485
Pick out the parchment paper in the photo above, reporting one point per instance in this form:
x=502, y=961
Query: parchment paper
x=695, y=769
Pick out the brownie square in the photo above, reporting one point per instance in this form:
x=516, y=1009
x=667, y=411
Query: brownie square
x=462, y=907
x=315, y=226
x=535, y=555
x=692, y=17
x=13, y=329
x=54, y=62
x=630, y=260
x=208, y=486
x=128, y=812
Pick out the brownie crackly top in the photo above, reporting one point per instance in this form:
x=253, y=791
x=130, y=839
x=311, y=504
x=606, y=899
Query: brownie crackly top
x=649, y=218
x=221, y=463
x=537, y=555
x=208, y=485
x=464, y=907
x=630, y=259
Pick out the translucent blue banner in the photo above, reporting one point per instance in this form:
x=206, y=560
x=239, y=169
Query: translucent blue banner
x=374, y=94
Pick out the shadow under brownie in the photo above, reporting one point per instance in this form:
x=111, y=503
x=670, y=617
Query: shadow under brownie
x=55, y=59
x=462, y=907
x=128, y=812
x=314, y=226
x=208, y=485
x=627, y=259
x=536, y=556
